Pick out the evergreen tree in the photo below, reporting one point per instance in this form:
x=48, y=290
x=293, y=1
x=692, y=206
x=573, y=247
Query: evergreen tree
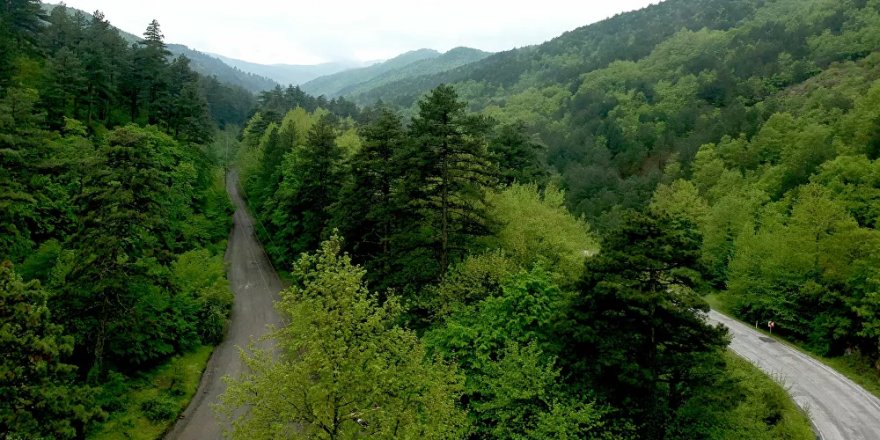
x=518, y=157
x=639, y=333
x=447, y=172
x=152, y=61
x=20, y=23
x=65, y=86
x=367, y=209
x=312, y=175
x=104, y=59
x=40, y=397
x=124, y=222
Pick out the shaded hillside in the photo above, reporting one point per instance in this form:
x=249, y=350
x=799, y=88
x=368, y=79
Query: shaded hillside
x=288, y=74
x=457, y=57
x=562, y=60
x=332, y=85
x=210, y=65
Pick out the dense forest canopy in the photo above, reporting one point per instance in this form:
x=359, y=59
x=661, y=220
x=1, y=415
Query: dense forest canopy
x=753, y=119
x=514, y=248
x=113, y=214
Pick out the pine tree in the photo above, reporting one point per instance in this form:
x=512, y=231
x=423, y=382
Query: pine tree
x=518, y=157
x=366, y=211
x=20, y=23
x=311, y=178
x=66, y=84
x=152, y=63
x=638, y=330
x=447, y=172
x=40, y=399
x=124, y=212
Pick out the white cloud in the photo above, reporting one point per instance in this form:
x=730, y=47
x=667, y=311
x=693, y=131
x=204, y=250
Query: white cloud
x=314, y=31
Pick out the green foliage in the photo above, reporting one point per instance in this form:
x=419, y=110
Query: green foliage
x=506, y=345
x=367, y=206
x=145, y=405
x=536, y=228
x=40, y=396
x=345, y=370
x=815, y=272
x=202, y=276
x=742, y=403
x=638, y=327
x=159, y=409
x=477, y=277
x=445, y=182
x=311, y=178
x=519, y=159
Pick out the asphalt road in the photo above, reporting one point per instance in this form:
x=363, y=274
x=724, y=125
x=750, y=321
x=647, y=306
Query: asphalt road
x=256, y=287
x=838, y=408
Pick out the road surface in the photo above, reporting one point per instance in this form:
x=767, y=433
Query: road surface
x=256, y=287
x=838, y=408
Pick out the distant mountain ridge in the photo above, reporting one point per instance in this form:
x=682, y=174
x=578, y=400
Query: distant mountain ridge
x=407, y=65
x=452, y=59
x=289, y=74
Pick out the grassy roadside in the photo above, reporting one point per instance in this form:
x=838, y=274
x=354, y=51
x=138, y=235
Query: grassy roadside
x=148, y=404
x=854, y=368
x=765, y=409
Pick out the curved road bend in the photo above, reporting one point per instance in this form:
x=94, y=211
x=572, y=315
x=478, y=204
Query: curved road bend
x=838, y=408
x=256, y=287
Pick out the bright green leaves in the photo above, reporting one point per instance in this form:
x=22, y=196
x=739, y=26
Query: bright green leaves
x=534, y=227
x=344, y=369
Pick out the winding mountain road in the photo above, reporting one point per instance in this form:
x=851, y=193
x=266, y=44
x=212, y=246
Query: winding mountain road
x=256, y=287
x=838, y=408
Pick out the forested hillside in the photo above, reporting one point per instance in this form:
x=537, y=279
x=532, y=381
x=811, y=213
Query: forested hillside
x=757, y=119
x=410, y=64
x=453, y=58
x=113, y=217
x=211, y=66
x=518, y=247
x=288, y=74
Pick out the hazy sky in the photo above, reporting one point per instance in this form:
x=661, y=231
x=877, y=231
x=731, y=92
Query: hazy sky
x=316, y=31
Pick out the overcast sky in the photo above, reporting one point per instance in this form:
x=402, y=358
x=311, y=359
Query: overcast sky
x=316, y=31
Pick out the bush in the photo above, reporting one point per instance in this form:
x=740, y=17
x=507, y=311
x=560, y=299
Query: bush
x=160, y=408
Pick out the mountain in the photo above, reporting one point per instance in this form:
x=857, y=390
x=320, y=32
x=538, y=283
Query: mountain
x=202, y=63
x=210, y=65
x=452, y=59
x=286, y=74
x=416, y=62
x=625, y=37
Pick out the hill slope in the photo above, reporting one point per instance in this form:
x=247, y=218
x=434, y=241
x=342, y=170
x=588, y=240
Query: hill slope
x=452, y=59
x=331, y=85
x=758, y=122
x=212, y=66
x=407, y=65
x=288, y=74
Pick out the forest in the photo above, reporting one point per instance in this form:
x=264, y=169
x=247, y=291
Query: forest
x=517, y=248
